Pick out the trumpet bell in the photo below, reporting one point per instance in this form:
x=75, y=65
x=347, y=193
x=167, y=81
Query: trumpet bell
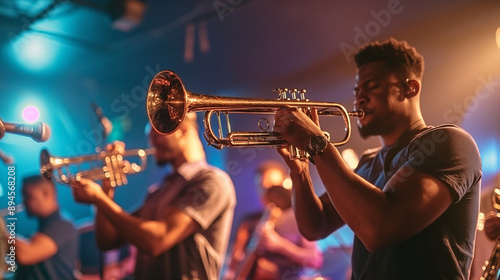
x=166, y=102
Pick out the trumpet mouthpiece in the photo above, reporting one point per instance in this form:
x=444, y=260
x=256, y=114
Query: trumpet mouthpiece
x=360, y=114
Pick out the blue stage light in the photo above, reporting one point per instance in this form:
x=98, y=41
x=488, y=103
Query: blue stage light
x=34, y=52
x=489, y=157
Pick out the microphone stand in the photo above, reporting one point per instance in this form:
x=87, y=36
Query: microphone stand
x=106, y=128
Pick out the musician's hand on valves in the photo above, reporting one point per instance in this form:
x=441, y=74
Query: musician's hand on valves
x=295, y=126
x=117, y=147
x=86, y=191
x=492, y=226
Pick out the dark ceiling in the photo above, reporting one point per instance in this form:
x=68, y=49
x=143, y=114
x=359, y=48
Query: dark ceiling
x=62, y=55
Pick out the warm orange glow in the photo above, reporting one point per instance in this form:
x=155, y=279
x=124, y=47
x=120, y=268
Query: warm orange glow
x=350, y=157
x=498, y=37
x=272, y=177
x=287, y=183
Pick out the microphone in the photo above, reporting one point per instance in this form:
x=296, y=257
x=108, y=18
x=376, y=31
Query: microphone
x=39, y=132
x=106, y=124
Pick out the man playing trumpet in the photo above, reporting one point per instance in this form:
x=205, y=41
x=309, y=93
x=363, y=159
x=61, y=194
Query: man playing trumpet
x=182, y=229
x=413, y=203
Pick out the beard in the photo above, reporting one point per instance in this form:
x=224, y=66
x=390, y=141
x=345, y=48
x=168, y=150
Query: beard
x=366, y=131
x=373, y=128
x=164, y=158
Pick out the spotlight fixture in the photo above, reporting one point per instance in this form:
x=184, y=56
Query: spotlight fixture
x=126, y=14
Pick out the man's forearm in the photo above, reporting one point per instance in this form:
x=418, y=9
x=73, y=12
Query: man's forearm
x=107, y=236
x=307, y=207
x=142, y=234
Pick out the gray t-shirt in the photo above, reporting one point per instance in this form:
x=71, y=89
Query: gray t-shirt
x=62, y=265
x=443, y=250
x=206, y=194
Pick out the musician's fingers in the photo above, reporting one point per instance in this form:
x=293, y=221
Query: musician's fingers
x=119, y=147
x=314, y=116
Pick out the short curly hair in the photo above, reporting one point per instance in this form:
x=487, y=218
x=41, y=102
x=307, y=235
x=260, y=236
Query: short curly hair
x=397, y=54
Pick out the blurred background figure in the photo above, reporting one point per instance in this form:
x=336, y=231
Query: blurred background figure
x=488, y=229
x=181, y=229
x=3, y=246
x=51, y=253
x=268, y=244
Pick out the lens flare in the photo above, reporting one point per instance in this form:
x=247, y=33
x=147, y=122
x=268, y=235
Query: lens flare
x=31, y=114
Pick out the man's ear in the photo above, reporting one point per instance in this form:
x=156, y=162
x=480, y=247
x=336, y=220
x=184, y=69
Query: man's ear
x=183, y=130
x=413, y=88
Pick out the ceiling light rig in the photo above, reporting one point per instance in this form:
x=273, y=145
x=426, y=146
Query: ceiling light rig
x=126, y=14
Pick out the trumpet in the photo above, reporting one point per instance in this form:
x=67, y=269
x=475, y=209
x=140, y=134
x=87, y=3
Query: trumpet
x=168, y=102
x=110, y=166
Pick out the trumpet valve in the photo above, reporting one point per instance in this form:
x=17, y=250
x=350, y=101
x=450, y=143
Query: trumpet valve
x=302, y=93
x=294, y=94
x=291, y=94
x=282, y=93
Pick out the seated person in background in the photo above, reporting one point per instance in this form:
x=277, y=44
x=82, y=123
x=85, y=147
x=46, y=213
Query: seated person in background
x=492, y=217
x=3, y=244
x=492, y=226
x=51, y=253
x=487, y=232
x=268, y=244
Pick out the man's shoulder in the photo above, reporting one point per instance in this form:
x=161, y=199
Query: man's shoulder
x=59, y=230
x=445, y=133
x=212, y=172
x=62, y=227
x=214, y=179
x=445, y=128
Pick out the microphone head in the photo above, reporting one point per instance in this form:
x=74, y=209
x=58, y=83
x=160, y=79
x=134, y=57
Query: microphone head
x=41, y=132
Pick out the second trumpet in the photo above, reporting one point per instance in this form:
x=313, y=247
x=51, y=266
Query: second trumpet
x=103, y=165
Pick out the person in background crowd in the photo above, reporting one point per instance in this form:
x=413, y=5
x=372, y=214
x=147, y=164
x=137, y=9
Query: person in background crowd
x=52, y=252
x=268, y=244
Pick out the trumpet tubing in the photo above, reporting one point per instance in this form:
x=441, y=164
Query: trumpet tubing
x=111, y=167
x=168, y=102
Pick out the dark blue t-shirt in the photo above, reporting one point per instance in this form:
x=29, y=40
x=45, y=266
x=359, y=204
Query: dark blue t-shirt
x=444, y=249
x=62, y=264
